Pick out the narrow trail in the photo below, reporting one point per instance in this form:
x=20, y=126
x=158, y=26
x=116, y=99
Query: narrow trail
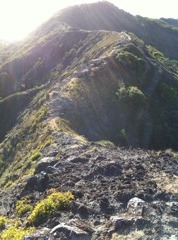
x=53, y=125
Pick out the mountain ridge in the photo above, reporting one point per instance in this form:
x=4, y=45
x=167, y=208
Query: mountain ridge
x=83, y=107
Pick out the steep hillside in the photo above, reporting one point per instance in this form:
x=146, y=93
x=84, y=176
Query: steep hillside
x=80, y=98
x=107, y=83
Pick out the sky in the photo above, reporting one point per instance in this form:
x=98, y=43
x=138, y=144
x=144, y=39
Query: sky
x=20, y=17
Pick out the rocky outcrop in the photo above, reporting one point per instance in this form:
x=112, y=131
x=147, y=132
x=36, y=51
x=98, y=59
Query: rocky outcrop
x=116, y=192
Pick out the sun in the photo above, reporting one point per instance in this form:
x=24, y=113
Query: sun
x=20, y=17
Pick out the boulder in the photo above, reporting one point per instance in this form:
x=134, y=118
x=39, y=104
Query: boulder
x=70, y=232
x=77, y=159
x=152, y=212
x=122, y=224
x=40, y=234
x=173, y=208
x=37, y=182
x=44, y=163
x=126, y=223
x=135, y=206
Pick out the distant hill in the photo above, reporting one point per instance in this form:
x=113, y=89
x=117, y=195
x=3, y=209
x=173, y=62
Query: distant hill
x=171, y=21
x=105, y=16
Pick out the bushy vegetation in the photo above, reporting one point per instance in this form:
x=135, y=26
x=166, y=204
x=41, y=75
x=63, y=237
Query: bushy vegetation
x=35, y=156
x=26, y=144
x=131, y=96
x=131, y=58
x=15, y=233
x=105, y=143
x=170, y=64
x=22, y=207
x=63, y=125
x=168, y=94
x=47, y=207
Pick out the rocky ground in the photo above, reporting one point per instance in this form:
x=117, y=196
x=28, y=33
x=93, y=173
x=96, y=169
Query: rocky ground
x=119, y=193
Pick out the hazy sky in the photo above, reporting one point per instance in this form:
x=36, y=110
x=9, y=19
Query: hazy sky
x=19, y=17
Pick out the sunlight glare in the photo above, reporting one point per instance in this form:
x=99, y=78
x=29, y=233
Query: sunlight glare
x=20, y=17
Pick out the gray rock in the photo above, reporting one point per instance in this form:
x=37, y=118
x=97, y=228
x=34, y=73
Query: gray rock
x=173, y=208
x=78, y=160
x=44, y=163
x=151, y=212
x=37, y=182
x=138, y=207
x=174, y=237
x=122, y=224
x=135, y=206
x=70, y=232
x=41, y=234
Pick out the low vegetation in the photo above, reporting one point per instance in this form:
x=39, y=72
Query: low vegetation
x=49, y=206
x=105, y=143
x=167, y=183
x=170, y=64
x=23, y=206
x=62, y=125
x=35, y=156
x=135, y=235
x=30, y=137
x=12, y=229
x=132, y=59
x=15, y=233
x=131, y=96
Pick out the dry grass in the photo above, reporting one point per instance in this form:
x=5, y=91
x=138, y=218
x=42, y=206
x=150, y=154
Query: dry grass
x=136, y=235
x=62, y=125
x=76, y=88
x=167, y=183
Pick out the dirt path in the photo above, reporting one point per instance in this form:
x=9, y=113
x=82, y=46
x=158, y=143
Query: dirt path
x=53, y=125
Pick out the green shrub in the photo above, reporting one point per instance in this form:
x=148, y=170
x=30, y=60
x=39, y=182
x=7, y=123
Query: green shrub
x=8, y=184
x=35, y=156
x=131, y=96
x=169, y=94
x=15, y=233
x=106, y=143
x=22, y=207
x=47, y=207
x=171, y=64
x=134, y=62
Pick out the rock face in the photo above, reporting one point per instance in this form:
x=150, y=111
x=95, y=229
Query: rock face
x=44, y=163
x=69, y=232
x=135, y=206
x=38, y=182
x=128, y=201
x=42, y=234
